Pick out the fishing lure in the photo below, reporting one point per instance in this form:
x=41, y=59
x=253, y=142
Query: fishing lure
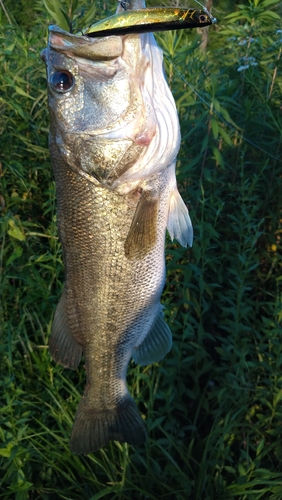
x=149, y=20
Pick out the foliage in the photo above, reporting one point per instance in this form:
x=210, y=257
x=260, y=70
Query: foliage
x=213, y=406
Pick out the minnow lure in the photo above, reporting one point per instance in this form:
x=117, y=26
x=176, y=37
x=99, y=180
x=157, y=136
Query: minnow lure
x=149, y=20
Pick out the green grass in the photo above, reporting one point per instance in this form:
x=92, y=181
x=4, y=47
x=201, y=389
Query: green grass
x=213, y=407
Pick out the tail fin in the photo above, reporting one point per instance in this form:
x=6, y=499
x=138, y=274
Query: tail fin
x=93, y=429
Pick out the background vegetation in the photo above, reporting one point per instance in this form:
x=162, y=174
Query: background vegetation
x=213, y=406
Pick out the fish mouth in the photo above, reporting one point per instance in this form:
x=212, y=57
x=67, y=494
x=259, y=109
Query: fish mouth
x=77, y=45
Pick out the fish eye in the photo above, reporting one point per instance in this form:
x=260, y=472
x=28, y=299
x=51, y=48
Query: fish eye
x=62, y=80
x=203, y=18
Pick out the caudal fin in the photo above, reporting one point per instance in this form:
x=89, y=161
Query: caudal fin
x=93, y=429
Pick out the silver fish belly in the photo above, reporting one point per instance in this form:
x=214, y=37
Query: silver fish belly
x=114, y=137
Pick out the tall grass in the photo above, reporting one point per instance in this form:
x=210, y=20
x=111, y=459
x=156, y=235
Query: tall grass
x=213, y=406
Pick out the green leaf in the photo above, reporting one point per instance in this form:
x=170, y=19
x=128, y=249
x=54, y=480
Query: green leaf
x=15, y=231
x=278, y=397
x=260, y=447
x=267, y=3
x=90, y=16
x=236, y=16
x=10, y=48
x=23, y=93
x=5, y=452
x=218, y=156
x=205, y=143
x=104, y=492
x=214, y=126
x=230, y=469
x=58, y=14
x=269, y=14
x=225, y=136
x=241, y=470
x=16, y=107
x=15, y=255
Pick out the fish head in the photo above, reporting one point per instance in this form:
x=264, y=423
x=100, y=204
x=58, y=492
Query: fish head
x=112, y=116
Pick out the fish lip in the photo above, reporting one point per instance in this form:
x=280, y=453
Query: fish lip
x=65, y=42
x=53, y=28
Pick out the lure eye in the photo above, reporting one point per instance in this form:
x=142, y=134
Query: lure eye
x=62, y=80
x=203, y=18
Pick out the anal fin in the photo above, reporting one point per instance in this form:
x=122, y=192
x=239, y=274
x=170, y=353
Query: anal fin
x=142, y=235
x=62, y=346
x=156, y=344
x=179, y=223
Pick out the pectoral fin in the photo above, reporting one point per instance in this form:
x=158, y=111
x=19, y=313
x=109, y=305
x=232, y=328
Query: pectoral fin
x=142, y=235
x=179, y=224
x=62, y=346
x=156, y=344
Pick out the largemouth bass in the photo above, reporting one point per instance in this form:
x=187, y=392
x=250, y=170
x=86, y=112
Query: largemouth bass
x=114, y=137
x=149, y=20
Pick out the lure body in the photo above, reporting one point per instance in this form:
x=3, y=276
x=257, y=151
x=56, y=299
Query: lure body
x=149, y=20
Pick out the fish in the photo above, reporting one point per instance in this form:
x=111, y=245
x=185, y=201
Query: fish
x=150, y=20
x=114, y=137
